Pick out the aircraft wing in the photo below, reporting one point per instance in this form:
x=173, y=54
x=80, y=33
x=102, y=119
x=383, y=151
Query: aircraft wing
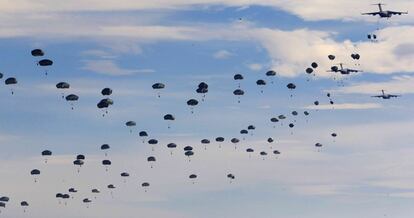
x=377, y=96
x=372, y=13
x=354, y=71
x=395, y=96
x=397, y=12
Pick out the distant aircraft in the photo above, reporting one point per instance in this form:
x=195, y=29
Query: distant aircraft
x=384, y=14
x=385, y=96
x=342, y=70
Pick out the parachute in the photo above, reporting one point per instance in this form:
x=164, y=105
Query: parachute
x=11, y=81
x=291, y=86
x=37, y=52
x=143, y=135
x=171, y=146
x=45, y=154
x=238, y=93
x=35, y=173
x=63, y=86
x=106, y=163
x=72, y=98
x=271, y=74
x=205, y=142
x=261, y=82
x=169, y=118
x=192, y=103
x=158, y=87
x=151, y=160
x=106, y=91
x=130, y=124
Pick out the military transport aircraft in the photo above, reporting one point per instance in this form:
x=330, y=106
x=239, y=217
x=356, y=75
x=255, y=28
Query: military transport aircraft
x=384, y=14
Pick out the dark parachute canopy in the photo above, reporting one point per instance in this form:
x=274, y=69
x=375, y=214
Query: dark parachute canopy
x=314, y=65
x=62, y=85
x=152, y=141
x=46, y=153
x=192, y=103
x=72, y=97
x=45, y=62
x=238, y=93
x=35, y=172
x=331, y=57
x=106, y=91
x=169, y=117
x=105, y=147
x=131, y=123
x=271, y=73
x=355, y=56
x=309, y=70
x=80, y=157
x=291, y=86
x=260, y=82
x=202, y=89
x=4, y=199
x=143, y=135
x=219, y=139
x=276, y=152
x=171, y=146
x=238, y=77
x=158, y=86
x=37, y=52
x=10, y=81
x=106, y=162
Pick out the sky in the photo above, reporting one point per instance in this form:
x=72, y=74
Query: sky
x=366, y=171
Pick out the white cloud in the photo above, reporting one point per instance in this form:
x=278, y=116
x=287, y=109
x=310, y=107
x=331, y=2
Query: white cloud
x=109, y=67
x=222, y=54
x=308, y=10
x=397, y=85
x=255, y=66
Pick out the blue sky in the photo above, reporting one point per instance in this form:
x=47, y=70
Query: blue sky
x=128, y=46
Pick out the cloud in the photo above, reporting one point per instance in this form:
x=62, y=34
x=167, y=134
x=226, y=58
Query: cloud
x=255, y=66
x=109, y=67
x=308, y=10
x=98, y=53
x=222, y=54
x=397, y=85
x=345, y=106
